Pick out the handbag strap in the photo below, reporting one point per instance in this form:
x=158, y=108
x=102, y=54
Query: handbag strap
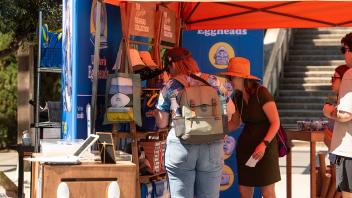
x=257, y=94
x=122, y=52
x=199, y=79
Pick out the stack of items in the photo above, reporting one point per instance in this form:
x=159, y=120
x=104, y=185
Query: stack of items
x=310, y=125
x=156, y=189
x=163, y=149
x=154, y=153
x=143, y=64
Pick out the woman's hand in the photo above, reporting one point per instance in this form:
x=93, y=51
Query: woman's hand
x=328, y=110
x=259, y=151
x=235, y=122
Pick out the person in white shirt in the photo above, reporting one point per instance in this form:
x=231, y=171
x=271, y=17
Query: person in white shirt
x=341, y=144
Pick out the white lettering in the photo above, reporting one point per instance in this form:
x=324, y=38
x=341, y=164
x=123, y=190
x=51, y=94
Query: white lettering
x=222, y=32
x=168, y=34
x=140, y=21
x=80, y=115
x=102, y=73
x=167, y=28
x=102, y=61
x=141, y=28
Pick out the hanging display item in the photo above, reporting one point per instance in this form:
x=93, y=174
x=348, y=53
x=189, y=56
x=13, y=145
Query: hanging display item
x=141, y=18
x=149, y=98
x=122, y=95
x=168, y=25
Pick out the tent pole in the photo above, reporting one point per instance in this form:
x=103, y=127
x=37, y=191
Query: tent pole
x=95, y=67
x=37, y=98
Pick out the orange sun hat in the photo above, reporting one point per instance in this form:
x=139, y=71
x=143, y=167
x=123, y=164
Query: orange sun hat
x=240, y=67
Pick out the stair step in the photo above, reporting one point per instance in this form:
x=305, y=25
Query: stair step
x=301, y=112
x=300, y=35
x=340, y=30
x=309, y=74
x=299, y=68
x=313, y=80
x=294, y=93
x=305, y=86
x=289, y=126
x=293, y=119
x=314, y=106
x=306, y=82
x=317, y=57
x=302, y=43
x=315, y=62
x=301, y=99
x=336, y=47
x=318, y=40
x=314, y=52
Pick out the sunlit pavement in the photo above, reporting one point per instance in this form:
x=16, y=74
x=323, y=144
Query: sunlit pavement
x=300, y=171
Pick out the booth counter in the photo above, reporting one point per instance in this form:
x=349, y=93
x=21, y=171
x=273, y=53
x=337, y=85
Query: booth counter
x=89, y=179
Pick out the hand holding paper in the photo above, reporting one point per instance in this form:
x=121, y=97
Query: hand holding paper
x=251, y=162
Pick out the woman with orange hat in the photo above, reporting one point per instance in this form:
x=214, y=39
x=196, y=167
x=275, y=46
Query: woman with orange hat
x=257, y=149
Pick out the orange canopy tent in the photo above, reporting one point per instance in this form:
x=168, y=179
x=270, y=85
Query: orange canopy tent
x=260, y=14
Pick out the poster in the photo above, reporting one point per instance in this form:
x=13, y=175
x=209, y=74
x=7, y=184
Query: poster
x=212, y=49
x=67, y=71
x=78, y=49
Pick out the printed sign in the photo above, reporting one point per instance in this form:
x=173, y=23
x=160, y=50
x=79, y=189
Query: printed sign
x=142, y=19
x=68, y=71
x=168, y=25
x=79, y=18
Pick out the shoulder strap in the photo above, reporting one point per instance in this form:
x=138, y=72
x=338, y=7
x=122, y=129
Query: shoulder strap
x=181, y=79
x=258, y=94
x=200, y=79
x=205, y=76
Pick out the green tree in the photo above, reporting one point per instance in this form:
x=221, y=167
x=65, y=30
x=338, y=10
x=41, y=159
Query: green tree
x=8, y=102
x=19, y=20
x=18, y=24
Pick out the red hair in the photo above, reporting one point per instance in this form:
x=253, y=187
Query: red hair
x=186, y=66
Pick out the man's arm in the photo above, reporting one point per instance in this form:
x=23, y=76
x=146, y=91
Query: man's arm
x=341, y=116
x=332, y=113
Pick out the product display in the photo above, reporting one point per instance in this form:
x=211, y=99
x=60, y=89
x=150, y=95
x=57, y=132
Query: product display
x=311, y=125
x=106, y=148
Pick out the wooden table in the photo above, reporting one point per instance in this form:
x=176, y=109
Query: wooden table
x=312, y=137
x=88, y=180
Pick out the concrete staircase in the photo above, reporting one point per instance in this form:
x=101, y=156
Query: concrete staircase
x=306, y=85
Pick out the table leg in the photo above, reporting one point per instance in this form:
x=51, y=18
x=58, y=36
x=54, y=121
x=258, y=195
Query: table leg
x=20, y=171
x=312, y=170
x=289, y=173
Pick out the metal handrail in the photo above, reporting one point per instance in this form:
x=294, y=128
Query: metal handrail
x=275, y=65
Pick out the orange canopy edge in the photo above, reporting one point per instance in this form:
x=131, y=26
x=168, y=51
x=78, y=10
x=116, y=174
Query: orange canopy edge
x=248, y=14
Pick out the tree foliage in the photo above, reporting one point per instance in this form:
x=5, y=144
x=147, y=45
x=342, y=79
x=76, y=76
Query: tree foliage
x=18, y=24
x=8, y=102
x=19, y=20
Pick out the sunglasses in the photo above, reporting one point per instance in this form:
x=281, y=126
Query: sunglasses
x=344, y=49
x=333, y=78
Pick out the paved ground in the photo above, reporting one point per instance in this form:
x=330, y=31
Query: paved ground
x=300, y=170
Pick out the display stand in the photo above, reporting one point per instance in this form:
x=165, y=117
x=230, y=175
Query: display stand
x=312, y=137
x=39, y=126
x=130, y=27
x=141, y=19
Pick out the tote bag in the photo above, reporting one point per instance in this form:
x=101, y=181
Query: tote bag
x=122, y=95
